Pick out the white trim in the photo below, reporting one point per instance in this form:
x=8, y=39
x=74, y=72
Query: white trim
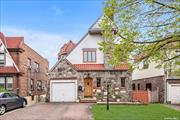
x=64, y=81
x=12, y=60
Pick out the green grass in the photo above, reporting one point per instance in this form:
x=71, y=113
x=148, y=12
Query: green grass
x=135, y=112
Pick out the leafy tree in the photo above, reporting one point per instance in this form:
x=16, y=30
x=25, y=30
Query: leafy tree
x=142, y=31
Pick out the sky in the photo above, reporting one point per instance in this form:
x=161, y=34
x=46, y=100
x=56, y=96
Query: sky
x=47, y=24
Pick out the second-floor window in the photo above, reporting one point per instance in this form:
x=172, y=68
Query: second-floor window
x=36, y=67
x=29, y=62
x=89, y=55
x=2, y=59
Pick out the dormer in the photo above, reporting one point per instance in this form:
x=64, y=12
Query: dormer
x=65, y=49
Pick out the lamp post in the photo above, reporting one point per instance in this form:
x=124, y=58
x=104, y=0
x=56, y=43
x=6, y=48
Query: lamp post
x=108, y=85
x=107, y=97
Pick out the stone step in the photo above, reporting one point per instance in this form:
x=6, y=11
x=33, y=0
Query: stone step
x=88, y=100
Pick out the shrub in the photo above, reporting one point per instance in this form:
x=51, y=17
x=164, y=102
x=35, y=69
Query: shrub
x=2, y=89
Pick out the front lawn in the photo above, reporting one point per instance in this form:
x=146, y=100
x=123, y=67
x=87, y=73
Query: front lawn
x=135, y=112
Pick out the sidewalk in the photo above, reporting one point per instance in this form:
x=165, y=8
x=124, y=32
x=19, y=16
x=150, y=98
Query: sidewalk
x=177, y=107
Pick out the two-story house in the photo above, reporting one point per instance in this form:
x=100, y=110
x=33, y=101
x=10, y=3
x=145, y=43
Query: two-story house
x=82, y=73
x=22, y=70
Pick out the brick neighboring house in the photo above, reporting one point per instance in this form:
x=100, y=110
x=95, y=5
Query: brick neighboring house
x=82, y=73
x=166, y=86
x=26, y=71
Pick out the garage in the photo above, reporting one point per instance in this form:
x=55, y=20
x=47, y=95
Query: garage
x=63, y=90
x=173, y=93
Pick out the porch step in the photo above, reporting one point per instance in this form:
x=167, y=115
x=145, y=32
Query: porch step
x=88, y=100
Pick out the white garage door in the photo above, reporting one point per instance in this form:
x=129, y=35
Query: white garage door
x=174, y=93
x=63, y=92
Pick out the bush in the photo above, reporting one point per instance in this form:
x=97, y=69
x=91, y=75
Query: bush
x=2, y=89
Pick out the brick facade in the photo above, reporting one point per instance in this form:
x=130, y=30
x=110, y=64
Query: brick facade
x=21, y=57
x=23, y=76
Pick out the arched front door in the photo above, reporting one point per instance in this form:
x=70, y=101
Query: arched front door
x=88, y=87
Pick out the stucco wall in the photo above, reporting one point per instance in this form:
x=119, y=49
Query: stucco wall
x=9, y=61
x=89, y=41
x=147, y=73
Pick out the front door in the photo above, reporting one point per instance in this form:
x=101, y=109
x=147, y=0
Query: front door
x=88, y=87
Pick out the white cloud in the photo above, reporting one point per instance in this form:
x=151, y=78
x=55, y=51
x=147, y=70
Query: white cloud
x=45, y=43
x=57, y=10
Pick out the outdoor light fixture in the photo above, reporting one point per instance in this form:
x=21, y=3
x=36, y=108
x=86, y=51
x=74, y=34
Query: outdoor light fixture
x=108, y=85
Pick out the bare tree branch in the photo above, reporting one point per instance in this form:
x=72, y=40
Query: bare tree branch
x=171, y=58
x=165, y=5
x=157, y=41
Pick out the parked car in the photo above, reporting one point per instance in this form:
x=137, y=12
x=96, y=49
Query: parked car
x=10, y=101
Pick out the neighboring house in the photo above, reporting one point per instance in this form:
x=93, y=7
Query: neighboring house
x=82, y=73
x=22, y=70
x=157, y=79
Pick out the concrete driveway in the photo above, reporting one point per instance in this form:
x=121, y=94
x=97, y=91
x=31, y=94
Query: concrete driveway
x=51, y=111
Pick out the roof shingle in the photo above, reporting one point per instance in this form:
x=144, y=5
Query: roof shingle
x=8, y=70
x=98, y=67
x=66, y=48
x=14, y=42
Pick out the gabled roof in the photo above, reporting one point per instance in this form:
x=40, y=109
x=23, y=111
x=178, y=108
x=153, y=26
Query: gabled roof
x=2, y=37
x=87, y=67
x=66, y=48
x=14, y=42
x=8, y=70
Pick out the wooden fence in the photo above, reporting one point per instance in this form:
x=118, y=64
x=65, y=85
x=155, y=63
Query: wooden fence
x=145, y=96
x=140, y=96
x=154, y=96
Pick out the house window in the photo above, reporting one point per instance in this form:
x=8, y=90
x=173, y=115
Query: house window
x=123, y=82
x=32, y=84
x=133, y=86
x=29, y=62
x=39, y=85
x=138, y=86
x=2, y=59
x=145, y=65
x=9, y=83
x=98, y=82
x=149, y=86
x=6, y=82
x=89, y=55
x=36, y=67
x=2, y=82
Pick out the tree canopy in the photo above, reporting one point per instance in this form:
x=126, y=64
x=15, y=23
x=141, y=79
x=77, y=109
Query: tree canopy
x=142, y=31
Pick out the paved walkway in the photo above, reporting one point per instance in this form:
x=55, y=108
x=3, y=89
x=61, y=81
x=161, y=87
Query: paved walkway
x=177, y=107
x=51, y=111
